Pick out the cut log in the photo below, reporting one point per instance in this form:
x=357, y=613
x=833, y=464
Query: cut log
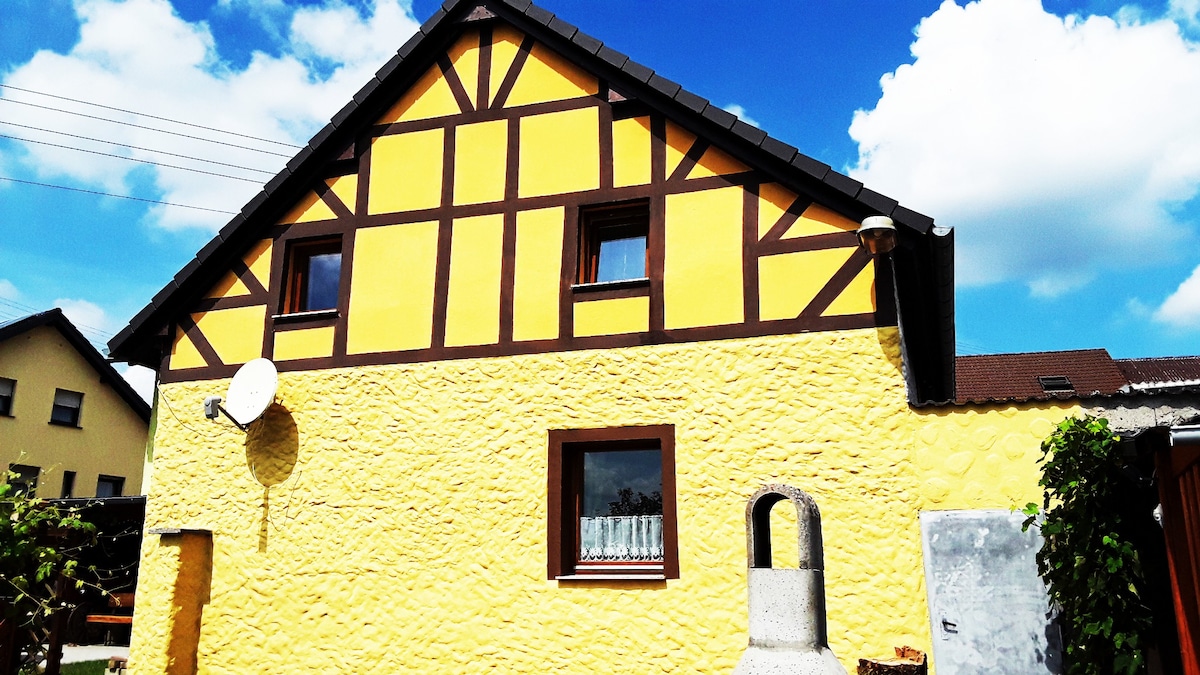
x=908, y=661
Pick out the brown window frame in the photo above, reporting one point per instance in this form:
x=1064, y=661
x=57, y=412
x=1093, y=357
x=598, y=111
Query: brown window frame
x=296, y=273
x=564, y=483
x=605, y=222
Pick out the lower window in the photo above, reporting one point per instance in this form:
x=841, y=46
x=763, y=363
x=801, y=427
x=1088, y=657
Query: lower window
x=612, y=503
x=24, y=478
x=110, y=486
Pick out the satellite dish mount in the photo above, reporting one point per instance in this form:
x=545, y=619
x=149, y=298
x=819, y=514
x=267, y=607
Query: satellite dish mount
x=251, y=392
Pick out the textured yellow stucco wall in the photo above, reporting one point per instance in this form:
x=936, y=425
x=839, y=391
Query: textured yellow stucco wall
x=393, y=518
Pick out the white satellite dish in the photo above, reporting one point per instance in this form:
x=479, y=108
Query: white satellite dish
x=250, y=393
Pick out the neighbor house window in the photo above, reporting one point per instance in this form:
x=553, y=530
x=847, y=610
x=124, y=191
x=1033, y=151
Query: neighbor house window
x=26, y=478
x=67, y=405
x=612, y=503
x=613, y=242
x=110, y=486
x=314, y=275
x=7, y=387
x=68, y=485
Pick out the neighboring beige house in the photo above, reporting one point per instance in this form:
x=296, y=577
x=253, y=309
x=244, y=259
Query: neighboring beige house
x=69, y=423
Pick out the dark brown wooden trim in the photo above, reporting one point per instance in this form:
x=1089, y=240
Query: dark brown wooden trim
x=568, y=273
x=488, y=115
x=750, y=299
x=657, y=241
x=483, y=86
x=508, y=272
x=334, y=202
x=588, y=292
x=885, y=292
x=512, y=163
x=441, y=284
x=514, y=70
x=343, y=301
x=837, y=283
x=283, y=326
x=456, y=86
x=693, y=155
x=606, y=146
x=251, y=282
x=233, y=302
x=275, y=291
x=785, y=221
x=675, y=336
x=201, y=343
x=564, y=452
x=812, y=242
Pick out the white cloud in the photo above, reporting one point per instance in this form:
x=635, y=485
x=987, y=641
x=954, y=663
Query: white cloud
x=741, y=113
x=142, y=380
x=1057, y=147
x=171, y=68
x=88, y=317
x=8, y=291
x=1182, y=308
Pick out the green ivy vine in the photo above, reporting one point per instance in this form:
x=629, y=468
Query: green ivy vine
x=1093, y=573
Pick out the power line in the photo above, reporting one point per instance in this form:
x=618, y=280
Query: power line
x=139, y=126
x=130, y=159
x=109, y=194
x=155, y=117
x=135, y=147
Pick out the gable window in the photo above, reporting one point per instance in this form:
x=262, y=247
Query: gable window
x=109, y=486
x=66, y=408
x=613, y=242
x=25, y=479
x=313, y=276
x=7, y=387
x=612, y=503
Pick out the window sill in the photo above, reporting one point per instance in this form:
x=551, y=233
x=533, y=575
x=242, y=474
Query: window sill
x=611, y=577
x=65, y=424
x=611, y=285
x=297, y=317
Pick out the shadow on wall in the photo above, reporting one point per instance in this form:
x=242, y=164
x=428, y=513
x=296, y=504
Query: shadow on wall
x=272, y=449
x=193, y=587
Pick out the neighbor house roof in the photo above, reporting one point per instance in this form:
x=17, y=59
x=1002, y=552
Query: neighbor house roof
x=54, y=318
x=1069, y=374
x=923, y=261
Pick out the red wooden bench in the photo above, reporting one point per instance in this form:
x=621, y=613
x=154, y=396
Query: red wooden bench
x=119, y=602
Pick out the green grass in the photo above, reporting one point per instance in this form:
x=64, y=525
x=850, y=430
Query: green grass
x=85, y=668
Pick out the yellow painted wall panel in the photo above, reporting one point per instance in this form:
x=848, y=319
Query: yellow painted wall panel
x=506, y=40
x=308, y=210
x=560, y=152
x=258, y=260
x=429, y=97
x=473, y=297
x=546, y=76
x=304, y=343
x=612, y=316
x=859, y=296
x=391, y=288
x=817, y=219
x=631, y=151
x=406, y=172
x=184, y=353
x=773, y=201
x=702, y=275
x=789, y=281
x=537, y=271
x=236, y=335
x=464, y=56
x=480, y=156
x=679, y=141
x=346, y=189
x=228, y=287
x=716, y=162
x=435, y=474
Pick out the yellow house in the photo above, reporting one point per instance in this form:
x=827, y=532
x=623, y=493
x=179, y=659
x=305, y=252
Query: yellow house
x=544, y=321
x=70, y=426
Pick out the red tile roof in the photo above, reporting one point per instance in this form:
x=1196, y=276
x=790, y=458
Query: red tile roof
x=1014, y=377
x=1159, y=373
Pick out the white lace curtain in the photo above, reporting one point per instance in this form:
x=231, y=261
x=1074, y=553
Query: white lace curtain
x=620, y=539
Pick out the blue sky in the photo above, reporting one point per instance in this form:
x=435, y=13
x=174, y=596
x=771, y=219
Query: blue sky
x=1058, y=138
